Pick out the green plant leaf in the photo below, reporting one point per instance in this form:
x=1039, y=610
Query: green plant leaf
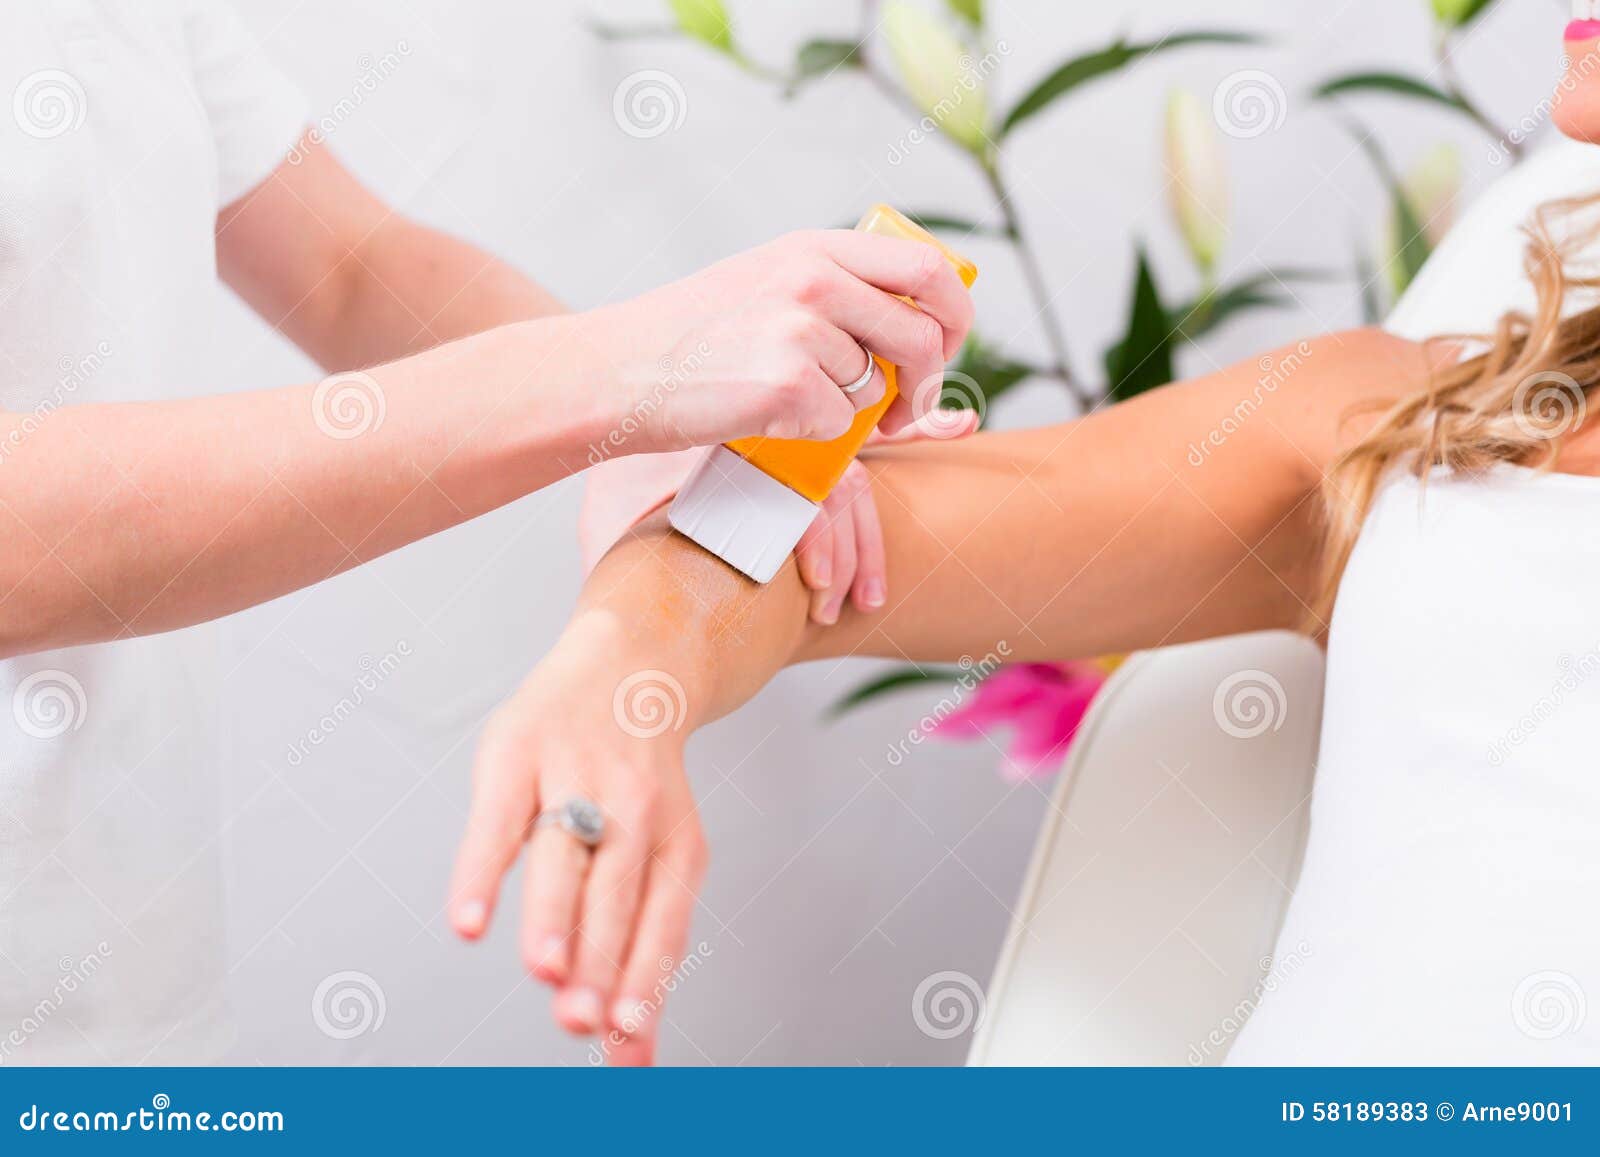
x=1091, y=66
x=1393, y=83
x=1413, y=248
x=1456, y=13
x=944, y=223
x=820, y=58
x=898, y=679
x=1142, y=360
x=994, y=372
x=634, y=32
x=1367, y=279
x=936, y=222
x=1267, y=289
x=969, y=10
x=706, y=21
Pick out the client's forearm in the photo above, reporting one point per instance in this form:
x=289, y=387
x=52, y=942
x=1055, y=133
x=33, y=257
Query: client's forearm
x=1128, y=529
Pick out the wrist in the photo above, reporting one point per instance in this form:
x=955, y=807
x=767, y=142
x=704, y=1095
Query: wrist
x=565, y=397
x=656, y=678
x=629, y=396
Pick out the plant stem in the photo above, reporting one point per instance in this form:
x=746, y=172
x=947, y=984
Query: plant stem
x=1034, y=275
x=1452, y=85
x=1060, y=368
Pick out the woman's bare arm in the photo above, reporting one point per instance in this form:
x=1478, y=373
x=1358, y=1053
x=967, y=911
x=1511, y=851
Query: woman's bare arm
x=1188, y=513
x=1185, y=514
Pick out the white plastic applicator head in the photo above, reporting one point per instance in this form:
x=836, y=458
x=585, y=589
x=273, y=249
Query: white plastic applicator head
x=742, y=515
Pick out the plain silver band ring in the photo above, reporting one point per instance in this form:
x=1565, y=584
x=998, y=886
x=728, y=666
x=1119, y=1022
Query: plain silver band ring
x=580, y=818
x=866, y=375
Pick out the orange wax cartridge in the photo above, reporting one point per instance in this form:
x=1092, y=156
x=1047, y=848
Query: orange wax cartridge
x=749, y=501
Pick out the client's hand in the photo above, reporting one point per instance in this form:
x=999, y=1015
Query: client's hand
x=839, y=556
x=605, y=926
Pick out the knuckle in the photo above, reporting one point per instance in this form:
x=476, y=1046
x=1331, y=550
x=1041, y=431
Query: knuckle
x=791, y=390
x=928, y=266
x=692, y=855
x=799, y=328
x=929, y=338
x=870, y=394
x=636, y=804
x=810, y=284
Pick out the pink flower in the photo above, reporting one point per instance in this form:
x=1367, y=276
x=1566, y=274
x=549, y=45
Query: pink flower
x=1042, y=705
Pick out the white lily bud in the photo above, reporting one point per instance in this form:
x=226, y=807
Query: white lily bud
x=938, y=73
x=1197, y=179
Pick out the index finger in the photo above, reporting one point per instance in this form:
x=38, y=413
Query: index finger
x=911, y=269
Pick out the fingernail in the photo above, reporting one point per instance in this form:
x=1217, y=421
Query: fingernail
x=872, y=593
x=829, y=614
x=821, y=573
x=581, y=1006
x=552, y=954
x=629, y=1015
x=470, y=916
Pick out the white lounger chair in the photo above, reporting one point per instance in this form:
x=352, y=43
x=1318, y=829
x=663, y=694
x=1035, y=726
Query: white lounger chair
x=1148, y=918
x=1160, y=879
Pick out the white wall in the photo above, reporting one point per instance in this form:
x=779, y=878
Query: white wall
x=839, y=882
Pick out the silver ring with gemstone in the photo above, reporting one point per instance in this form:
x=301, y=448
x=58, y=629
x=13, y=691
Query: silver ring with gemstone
x=866, y=375
x=580, y=818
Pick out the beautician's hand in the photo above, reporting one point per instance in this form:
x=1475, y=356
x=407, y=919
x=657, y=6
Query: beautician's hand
x=761, y=343
x=841, y=553
x=606, y=928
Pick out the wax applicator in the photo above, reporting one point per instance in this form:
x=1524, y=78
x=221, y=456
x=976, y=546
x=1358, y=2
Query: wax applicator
x=749, y=501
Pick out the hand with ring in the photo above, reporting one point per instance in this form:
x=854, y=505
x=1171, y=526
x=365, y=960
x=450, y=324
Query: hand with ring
x=590, y=780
